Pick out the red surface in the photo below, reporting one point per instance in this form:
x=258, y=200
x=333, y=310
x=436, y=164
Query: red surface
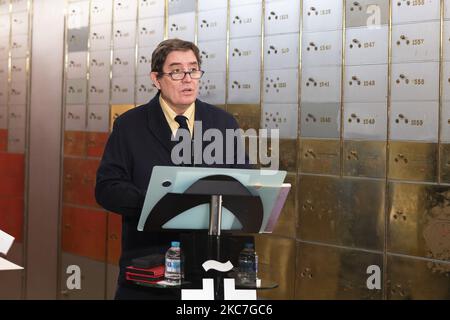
x=84, y=232
x=114, y=238
x=75, y=143
x=11, y=216
x=96, y=142
x=3, y=140
x=12, y=175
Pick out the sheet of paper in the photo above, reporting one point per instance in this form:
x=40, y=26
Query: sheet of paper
x=6, y=265
x=6, y=242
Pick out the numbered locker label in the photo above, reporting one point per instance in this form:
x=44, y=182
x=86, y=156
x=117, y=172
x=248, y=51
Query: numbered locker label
x=101, y=12
x=415, y=81
x=213, y=55
x=212, y=25
x=280, y=86
x=19, y=23
x=17, y=117
x=367, y=13
x=181, y=6
x=322, y=48
x=76, y=91
x=125, y=10
x=151, y=8
x=416, y=121
x=281, y=51
x=418, y=42
x=145, y=90
x=366, y=83
x=123, y=62
x=365, y=121
x=124, y=35
x=245, y=54
x=18, y=92
x=151, y=32
x=244, y=87
x=122, y=90
x=415, y=10
x=322, y=15
x=98, y=118
x=212, y=87
x=283, y=117
x=366, y=46
x=182, y=26
x=78, y=15
x=144, y=65
x=205, y=5
x=245, y=21
x=99, y=64
x=75, y=118
x=321, y=84
x=282, y=17
x=98, y=90
x=76, y=65
x=100, y=36
x=320, y=120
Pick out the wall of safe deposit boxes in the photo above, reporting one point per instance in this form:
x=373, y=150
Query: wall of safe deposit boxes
x=359, y=91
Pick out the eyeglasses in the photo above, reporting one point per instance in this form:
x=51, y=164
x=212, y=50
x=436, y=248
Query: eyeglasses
x=180, y=75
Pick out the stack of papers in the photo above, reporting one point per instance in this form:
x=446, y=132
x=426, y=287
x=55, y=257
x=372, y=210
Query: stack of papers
x=6, y=242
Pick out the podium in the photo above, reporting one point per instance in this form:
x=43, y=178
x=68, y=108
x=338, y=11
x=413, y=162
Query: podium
x=222, y=201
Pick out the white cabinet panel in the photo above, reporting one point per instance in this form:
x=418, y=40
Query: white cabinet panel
x=366, y=83
x=366, y=46
x=244, y=87
x=213, y=55
x=245, y=21
x=245, y=54
x=282, y=17
x=212, y=88
x=75, y=118
x=321, y=84
x=322, y=15
x=212, y=25
x=281, y=51
x=280, y=86
x=283, y=117
x=322, y=48
x=416, y=121
x=98, y=118
x=415, y=81
x=182, y=26
x=101, y=12
x=415, y=10
x=366, y=121
x=418, y=42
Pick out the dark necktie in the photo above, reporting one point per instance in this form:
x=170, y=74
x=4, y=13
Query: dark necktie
x=182, y=121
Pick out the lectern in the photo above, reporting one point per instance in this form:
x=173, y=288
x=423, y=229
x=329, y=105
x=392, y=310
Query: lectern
x=214, y=199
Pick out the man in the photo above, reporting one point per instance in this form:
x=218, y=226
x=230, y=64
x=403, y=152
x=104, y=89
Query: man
x=140, y=140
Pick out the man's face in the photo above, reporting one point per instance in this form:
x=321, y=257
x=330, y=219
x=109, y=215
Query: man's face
x=178, y=93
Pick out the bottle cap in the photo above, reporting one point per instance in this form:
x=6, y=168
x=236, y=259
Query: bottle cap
x=249, y=245
x=175, y=243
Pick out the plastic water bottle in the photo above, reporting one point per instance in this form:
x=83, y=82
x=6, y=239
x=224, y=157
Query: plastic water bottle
x=173, y=269
x=248, y=265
